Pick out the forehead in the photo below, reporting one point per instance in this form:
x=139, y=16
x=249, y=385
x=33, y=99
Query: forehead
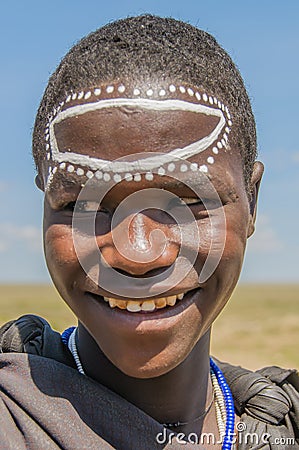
x=158, y=130
x=120, y=127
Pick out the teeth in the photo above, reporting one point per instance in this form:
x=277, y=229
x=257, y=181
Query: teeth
x=122, y=304
x=146, y=305
x=112, y=303
x=171, y=301
x=133, y=306
x=160, y=302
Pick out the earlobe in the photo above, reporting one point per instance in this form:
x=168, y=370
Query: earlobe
x=39, y=183
x=257, y=173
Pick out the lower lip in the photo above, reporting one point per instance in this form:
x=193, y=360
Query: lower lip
x=168, y=313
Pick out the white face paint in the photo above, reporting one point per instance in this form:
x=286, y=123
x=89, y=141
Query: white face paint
x=84, y=165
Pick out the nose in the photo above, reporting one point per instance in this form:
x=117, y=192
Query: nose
x=138, y=245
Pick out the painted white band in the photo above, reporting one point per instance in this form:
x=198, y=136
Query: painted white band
x=146, y=164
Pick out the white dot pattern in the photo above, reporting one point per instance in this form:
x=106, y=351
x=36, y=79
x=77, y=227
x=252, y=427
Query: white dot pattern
x=137, y=177
x=128, y=177
x=117, y=178
x=183, y=168
x=149, y=176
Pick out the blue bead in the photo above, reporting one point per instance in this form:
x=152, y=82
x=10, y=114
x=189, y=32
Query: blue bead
x=66, y=335
x=229, y=406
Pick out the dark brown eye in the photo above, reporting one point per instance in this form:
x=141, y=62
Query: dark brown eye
x=83, y=206
x=190, y=201
x=185, y=201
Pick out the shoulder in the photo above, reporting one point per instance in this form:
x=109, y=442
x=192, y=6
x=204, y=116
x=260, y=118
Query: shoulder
x=266, y=400
x=23, y=335
x=33, y=335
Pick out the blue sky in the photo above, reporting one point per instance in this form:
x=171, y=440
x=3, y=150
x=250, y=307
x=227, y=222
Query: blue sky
x=263, y=39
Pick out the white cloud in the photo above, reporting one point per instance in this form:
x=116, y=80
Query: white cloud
x=12, y=235
x=265, y=238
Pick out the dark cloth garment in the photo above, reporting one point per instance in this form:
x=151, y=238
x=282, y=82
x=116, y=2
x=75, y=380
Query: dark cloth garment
x=45, y=403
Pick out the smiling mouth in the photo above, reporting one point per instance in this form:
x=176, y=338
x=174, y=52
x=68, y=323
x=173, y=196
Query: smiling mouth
x=134, y=306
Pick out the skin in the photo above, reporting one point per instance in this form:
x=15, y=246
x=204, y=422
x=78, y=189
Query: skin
x=146, y=357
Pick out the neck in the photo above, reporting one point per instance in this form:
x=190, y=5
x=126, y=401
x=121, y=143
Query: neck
x=181, y=395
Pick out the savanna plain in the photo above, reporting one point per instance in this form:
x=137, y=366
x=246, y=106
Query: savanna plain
x=258, y=327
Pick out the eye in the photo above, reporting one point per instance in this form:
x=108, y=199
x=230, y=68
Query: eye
x=190, y=201
x=185, y=201
x=83, y=206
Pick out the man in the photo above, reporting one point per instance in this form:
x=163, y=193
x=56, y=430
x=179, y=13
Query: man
x=145, y=148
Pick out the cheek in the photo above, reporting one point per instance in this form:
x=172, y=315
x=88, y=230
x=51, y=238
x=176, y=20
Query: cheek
x=230, y=266
x=59, y=247
x=237, y=219
x=61, y=258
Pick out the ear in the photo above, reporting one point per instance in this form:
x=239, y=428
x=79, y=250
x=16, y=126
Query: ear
x=39, y=183
x=257, y=173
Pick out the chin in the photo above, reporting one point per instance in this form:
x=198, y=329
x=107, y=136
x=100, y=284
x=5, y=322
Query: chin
x=147, y=371
x=145, y=366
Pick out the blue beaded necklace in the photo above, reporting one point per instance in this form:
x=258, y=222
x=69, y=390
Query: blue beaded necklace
x=66, y=335
x=225, y=390
x=229, y=406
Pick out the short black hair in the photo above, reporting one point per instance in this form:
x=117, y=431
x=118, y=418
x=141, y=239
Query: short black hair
x=144, y=48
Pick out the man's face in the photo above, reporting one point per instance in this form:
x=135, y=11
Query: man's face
x=146, y=218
